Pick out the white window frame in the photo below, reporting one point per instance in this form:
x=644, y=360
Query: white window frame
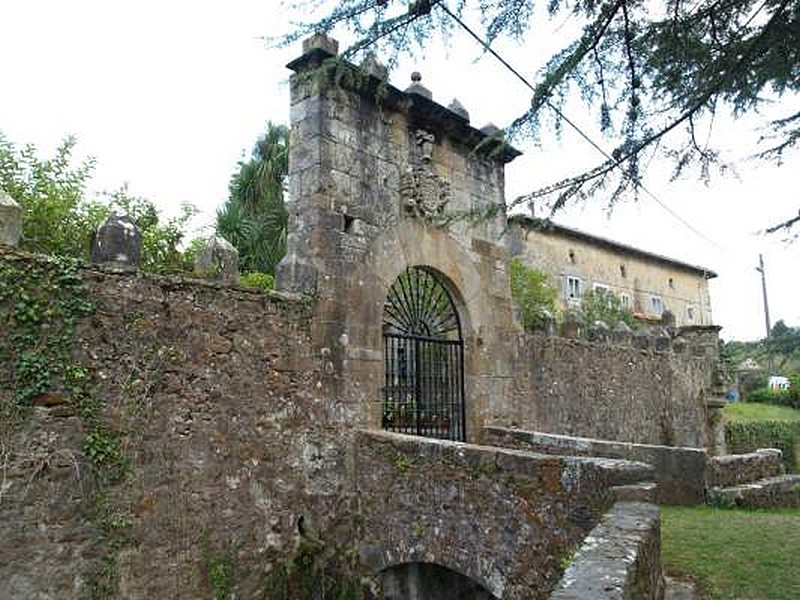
x=656, y=302
x=625, y=300
x=573, y=284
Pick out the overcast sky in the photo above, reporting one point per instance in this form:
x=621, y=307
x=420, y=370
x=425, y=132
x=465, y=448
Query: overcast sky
x=168, y=96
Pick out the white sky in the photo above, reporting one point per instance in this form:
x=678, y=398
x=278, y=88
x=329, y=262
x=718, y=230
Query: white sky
x=169, y=95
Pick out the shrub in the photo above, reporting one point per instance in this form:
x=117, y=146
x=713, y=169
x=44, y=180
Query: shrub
x=533, y=294
x=742, y=437
x=600, y=305
x=257, y=279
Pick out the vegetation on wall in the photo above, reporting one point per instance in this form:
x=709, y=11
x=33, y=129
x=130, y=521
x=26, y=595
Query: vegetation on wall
x=598, y=305
x=749, y=436
x=59, y=214
x=532, y=293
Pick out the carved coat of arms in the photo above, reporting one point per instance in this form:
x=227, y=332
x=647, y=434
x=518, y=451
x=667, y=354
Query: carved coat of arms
x=424, y=194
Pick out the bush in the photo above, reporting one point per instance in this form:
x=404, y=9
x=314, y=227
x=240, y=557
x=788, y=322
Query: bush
x=742, y=437
x=600, y=305
x=790, y=397
x=257, y=279
x=533, y=294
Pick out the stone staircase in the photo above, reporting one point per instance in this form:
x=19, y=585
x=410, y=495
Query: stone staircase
x=754, y=480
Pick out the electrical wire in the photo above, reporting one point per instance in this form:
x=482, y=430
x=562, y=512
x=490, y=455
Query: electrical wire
x=574, y=126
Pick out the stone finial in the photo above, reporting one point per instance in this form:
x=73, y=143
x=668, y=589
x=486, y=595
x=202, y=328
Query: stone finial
x=218, y=260
x=117, y=242
x=372, y=66
x=417, y=88
x=548, y=322
x=490, y=129
x=599, y=332
x=321, y=41
x=662, y=340
x=642, y=339
x=10, y=220
x=572, y=325
x=622, y=334
x=458, y=108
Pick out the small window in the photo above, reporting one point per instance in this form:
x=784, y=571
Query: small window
x=656, y=305
x=600, y=288
x=622, y=272
x=572, y=256
x=625, y=300
x=573, y=289
x=671, y=283
x=691, y=314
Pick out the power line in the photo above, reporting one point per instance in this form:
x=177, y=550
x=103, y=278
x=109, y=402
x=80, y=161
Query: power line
x=574, y=126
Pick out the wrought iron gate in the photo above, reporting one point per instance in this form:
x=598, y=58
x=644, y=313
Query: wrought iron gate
x=423, y=392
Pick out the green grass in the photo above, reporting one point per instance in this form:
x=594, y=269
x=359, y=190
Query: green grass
x=734, y=554
x=744, y=411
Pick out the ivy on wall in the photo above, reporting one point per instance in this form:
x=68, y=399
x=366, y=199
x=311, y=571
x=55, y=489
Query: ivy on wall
x=41, y=302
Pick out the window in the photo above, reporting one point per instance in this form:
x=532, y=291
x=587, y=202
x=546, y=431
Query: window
x=656, y=305
x=691, y=314
x=671, y=283
x=600, y=288
x=572, y=256
x=622, y=272
x=625, y=300
x=573, y=289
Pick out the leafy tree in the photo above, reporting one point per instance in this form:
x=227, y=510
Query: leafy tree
x=599, y=305
x=533, y=294
x=254, y=217
x=655, y=74
x=59, y=217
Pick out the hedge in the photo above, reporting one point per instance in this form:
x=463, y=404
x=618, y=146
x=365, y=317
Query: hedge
x=742, y=437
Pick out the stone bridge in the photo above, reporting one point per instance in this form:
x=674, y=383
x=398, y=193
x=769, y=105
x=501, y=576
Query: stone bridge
x=508, y=520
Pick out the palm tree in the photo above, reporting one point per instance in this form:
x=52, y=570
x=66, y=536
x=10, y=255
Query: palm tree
x=254, y=217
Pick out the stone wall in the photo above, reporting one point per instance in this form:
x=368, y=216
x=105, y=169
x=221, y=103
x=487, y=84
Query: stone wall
x=218, y=408
x=631, y=392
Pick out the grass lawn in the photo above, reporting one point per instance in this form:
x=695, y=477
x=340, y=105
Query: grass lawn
x=744, y=411
x=734, y=554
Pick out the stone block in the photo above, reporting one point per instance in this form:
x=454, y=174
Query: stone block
x=10, y=220
x=218, y=260
x=320, y=41
x=117, y=242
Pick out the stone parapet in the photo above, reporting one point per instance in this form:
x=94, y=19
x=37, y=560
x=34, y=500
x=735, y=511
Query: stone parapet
x=619, y=560
x=735, y=469
x=679, y=472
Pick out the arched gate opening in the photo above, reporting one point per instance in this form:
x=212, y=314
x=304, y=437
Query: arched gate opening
x=423, y=349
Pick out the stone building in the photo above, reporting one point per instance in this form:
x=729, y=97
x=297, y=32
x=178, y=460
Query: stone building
x=647, y=283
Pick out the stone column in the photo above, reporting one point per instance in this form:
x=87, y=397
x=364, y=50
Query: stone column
x=117, y=243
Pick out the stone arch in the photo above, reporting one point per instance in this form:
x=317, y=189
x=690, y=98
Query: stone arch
x=429, y=580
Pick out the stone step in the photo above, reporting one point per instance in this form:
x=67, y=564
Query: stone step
x=736, y=469
x=646, y=491
x=782, y=491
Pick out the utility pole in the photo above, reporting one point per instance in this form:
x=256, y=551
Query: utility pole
x=760, y=269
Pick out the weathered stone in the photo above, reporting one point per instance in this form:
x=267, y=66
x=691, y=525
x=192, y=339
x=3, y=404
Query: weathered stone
x=668, y=319
x=642, y=339
x=373, y=67
x=599, y=332
x=620, y=559
x=572, y=326
x=117, y=242
x=662, y=341
x=10, y=220
x=490, y=129
x=417, y=88
x=218, y=260
x=321, y=41
x=622, y=334
x=458, y=108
